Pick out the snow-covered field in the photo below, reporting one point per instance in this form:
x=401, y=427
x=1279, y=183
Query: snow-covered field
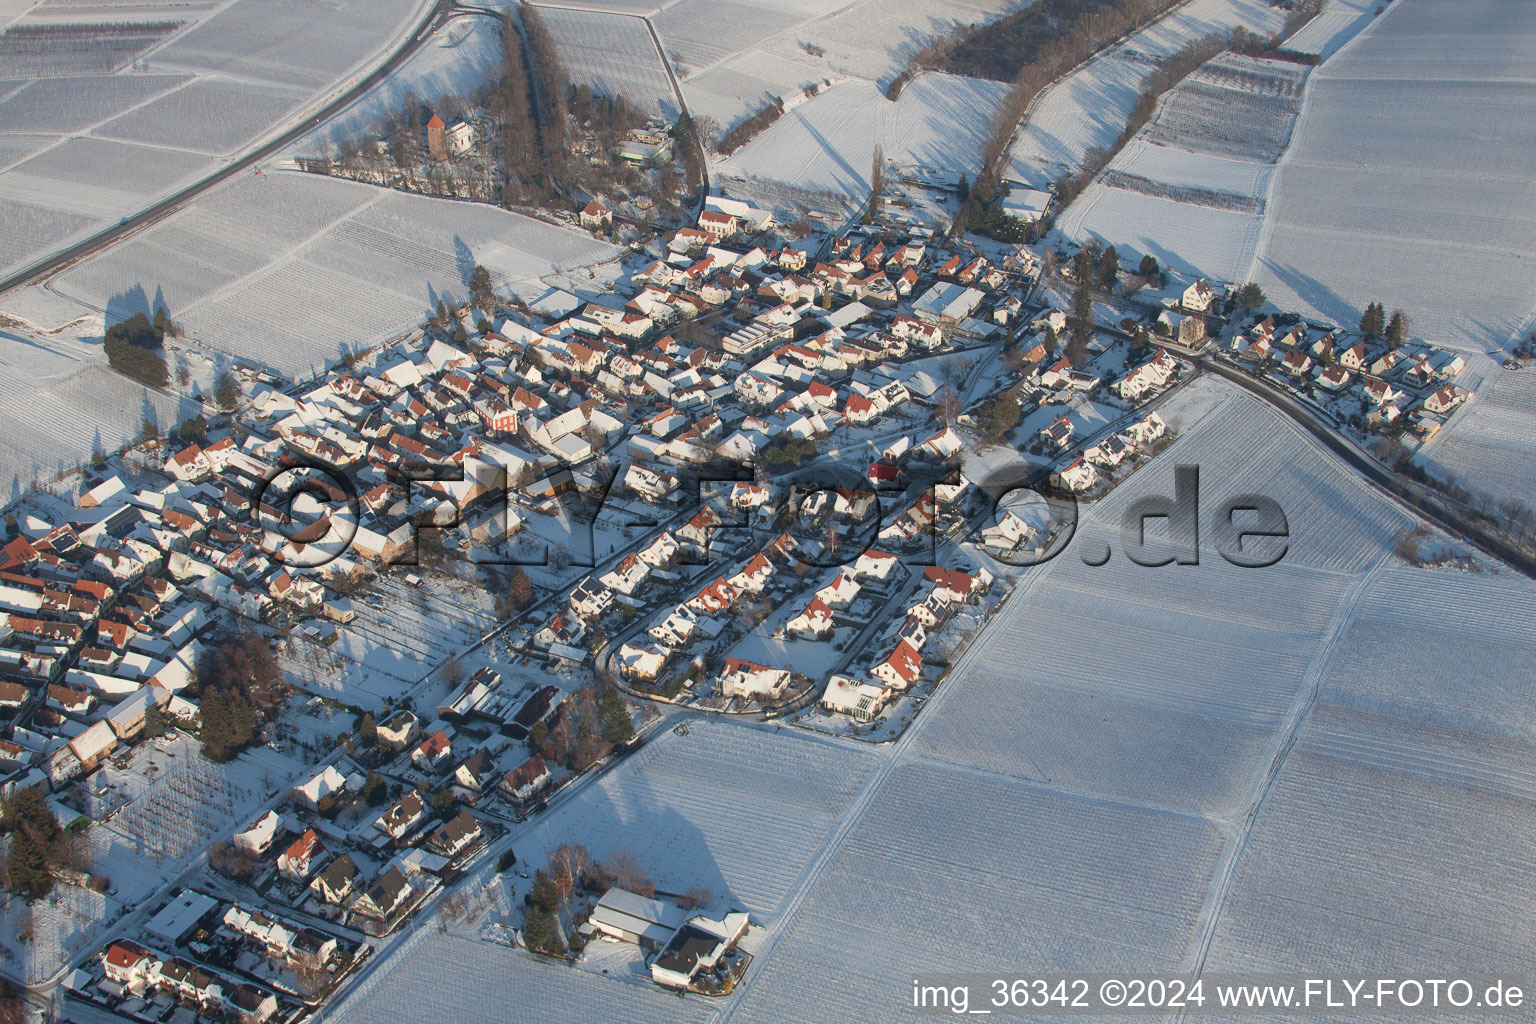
x=58, y=399
x=736, y=809
x=612, y=55
x=826, y=144
x=1487, y=447
x=1089, y=107
x=737, y=55
x=1208, y=668
x=1397, y=835
x=457, y=62
x=286, y=269
x=80, y=150
x=1187, y=238
x=1408, y=180
x=1339, y=22
x=1409, y=183
x=449, y=976
x=950, y=869
x=1191, y=188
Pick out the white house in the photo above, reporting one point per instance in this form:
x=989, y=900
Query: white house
x=1079, y=476
x=814, y=621
x=859, y=701
x=258, y=836
x=751, y=681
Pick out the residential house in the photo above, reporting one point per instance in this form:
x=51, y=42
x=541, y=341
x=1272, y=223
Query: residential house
x=258, y=836
x=337, y=881
x=751, y=681
x=901, y=668
x=859, y=701
x=384, y=897
x=298, y=860
x=432, y=752
x=525, y=781
x=595, y=215
x=399, y=819
x=458, y=835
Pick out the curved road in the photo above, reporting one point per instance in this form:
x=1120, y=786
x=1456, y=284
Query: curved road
x=1407, y=493
x=440, y=13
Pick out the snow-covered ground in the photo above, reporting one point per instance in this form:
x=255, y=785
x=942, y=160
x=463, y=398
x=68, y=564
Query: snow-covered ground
x=286, y=269
x=736, y=809
x=1396, y=832
x=1191, y=188
x=1339, y=22
x=1079, y=792
x=457, y=62
x=1408, y=184
x=826, y=144
x=1187, y=238
x=79, y=152
x=735, y=56
x=612, y=55
x=1089, y=107
x=1407, y=181
x=1487, y=445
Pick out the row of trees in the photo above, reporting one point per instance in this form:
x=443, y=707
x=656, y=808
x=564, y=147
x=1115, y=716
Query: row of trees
x=1168, y=74
x=135, y=348
x=751, y=127
x=1374, y=324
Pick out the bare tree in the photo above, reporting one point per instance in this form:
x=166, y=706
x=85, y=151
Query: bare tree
x=309, y=972
x=625, y=869
x=567, y=863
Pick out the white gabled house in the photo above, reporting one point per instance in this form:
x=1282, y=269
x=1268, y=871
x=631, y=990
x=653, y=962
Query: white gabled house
x=1079, y=476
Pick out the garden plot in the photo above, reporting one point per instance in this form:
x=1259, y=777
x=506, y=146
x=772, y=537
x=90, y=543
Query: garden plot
x=386, y=650
x=736, y=809
x=1387, y=844
x=1089, y=107
x=948, y=869
x=1408, y=180
x=827, y=143
x=613, y=55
